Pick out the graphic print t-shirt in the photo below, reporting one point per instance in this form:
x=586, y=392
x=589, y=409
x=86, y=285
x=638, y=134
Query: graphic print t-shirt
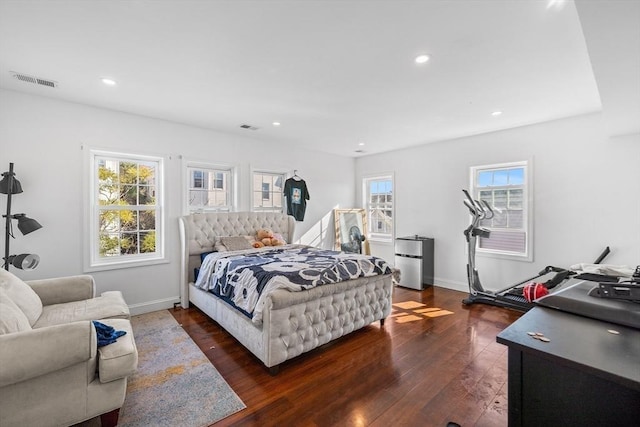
x=297, y=195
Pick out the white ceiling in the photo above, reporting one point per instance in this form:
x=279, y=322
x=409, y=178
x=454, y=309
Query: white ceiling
x=334, y=73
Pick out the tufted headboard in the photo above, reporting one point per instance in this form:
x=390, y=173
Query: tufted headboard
x=198, y=233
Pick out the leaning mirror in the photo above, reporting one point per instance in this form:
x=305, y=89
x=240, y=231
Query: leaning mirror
x=350, y=230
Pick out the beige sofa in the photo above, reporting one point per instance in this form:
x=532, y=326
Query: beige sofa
x=52, y=372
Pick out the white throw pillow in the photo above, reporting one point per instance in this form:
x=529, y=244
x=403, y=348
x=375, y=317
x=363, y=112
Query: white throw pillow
x=22, y=295
x=12, y=319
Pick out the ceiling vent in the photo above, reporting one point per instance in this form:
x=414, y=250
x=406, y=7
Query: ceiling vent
x=34, y=80
x=246, y=126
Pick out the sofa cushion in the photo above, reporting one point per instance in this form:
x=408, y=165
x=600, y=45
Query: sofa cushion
x=12, y=319
x=22, y=295
x=118, y=359
x=108, y=305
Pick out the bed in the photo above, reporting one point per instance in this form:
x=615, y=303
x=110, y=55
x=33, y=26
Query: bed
x=290, y=323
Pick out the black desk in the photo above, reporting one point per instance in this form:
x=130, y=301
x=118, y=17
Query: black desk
x=585, y=376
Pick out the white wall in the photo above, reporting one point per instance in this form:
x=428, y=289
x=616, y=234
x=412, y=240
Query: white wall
x=45, y=140
x=586, y=196
x=586, y=189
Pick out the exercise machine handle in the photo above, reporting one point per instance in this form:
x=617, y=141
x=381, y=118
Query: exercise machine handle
x=472, y=209
x=469, y=200
x=603, y=255
x=490, y=210
x=480, y=209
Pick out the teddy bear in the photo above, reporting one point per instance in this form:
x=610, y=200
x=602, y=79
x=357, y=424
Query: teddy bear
x=277, y=240
x=264, y=235
x=268, y=238
x=258, y=244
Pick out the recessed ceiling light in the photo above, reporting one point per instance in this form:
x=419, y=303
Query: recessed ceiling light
x=108, y=81
x=421, y=59
x=361, y=144
x=496, y=113
x=276, y=123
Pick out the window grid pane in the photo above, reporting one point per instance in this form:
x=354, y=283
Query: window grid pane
x=503, y=188
x=126, y=207
x=379, y=201
x=267, y=191
x=210, y=189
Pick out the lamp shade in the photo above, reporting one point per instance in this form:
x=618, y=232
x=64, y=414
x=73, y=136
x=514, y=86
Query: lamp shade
x=24, y=261
x=25, y=224
x=16, y=187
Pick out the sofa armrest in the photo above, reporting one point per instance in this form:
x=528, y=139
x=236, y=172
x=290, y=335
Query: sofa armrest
x=119, y=359
x=29, y=354
x=64, y=289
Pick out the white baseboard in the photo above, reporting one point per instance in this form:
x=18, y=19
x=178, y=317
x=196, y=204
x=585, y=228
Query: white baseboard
x=453, y=285
x=149, y=306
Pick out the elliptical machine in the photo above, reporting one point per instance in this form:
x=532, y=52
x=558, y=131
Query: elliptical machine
x=511, y=296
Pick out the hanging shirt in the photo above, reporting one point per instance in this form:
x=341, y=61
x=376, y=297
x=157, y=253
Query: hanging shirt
x=297, y=195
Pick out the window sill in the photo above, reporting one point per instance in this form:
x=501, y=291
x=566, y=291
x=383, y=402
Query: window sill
x=511, y=257
x=125, y=264
x=378, y=240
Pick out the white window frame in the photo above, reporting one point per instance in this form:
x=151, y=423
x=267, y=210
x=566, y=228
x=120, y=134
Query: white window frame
x=92, y=259
x=189, y=165
x=253, y=191
x=366, y=181
x=527, y=202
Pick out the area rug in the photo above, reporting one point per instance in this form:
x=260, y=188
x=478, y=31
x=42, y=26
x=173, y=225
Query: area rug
x=175, y=383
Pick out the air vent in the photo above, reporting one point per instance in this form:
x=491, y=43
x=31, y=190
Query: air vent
x=34, y=80
x=246, y=126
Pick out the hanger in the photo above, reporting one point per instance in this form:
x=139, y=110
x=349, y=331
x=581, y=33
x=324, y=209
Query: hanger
x=295, y=175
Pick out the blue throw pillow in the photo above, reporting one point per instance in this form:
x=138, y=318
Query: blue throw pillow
x=204, y=255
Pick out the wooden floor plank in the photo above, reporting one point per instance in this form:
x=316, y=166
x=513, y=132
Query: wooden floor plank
x=435, y=360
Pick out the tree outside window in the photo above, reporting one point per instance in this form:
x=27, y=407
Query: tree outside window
x=125, y=228
x=127, y=207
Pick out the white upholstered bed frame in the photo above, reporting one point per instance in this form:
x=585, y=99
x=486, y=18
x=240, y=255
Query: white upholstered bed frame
x=293, y=322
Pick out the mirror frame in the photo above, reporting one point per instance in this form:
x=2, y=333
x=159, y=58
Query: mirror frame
x=344, y=220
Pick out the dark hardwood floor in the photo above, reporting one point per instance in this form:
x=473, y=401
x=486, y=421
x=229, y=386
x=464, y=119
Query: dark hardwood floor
x=424, y=367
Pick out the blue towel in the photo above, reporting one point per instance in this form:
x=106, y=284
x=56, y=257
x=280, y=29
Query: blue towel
x=106, y=334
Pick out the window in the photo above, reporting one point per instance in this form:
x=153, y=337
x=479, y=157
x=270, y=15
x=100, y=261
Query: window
x=220, y=179
x=378, y=201
x=267, y=191
x=210, y=188
x=126, y=225
x=505, y=188
x=197, y=179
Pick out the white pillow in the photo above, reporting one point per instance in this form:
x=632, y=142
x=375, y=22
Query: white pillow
x=12, y=319
x=22, y=295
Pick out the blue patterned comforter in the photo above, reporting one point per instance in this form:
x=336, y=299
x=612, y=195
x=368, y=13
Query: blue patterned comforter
x=244, y=278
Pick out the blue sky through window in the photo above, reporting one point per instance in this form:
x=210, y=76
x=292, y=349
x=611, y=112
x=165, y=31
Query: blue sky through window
x=380, y=187
x=516, y=176
x=501, y=177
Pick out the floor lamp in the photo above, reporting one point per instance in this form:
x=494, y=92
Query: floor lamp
x=9, y=185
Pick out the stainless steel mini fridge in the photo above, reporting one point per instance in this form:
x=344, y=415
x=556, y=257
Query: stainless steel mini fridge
x=415, y=258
